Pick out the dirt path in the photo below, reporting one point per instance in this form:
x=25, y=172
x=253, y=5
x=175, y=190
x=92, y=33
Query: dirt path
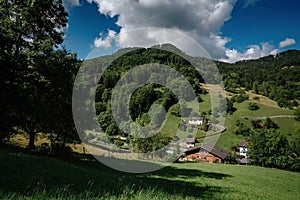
x=271, y=117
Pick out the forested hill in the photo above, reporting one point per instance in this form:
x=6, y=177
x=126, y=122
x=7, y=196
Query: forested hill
x=277, y=77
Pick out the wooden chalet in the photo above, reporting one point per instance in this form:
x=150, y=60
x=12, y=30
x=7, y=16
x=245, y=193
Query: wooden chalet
x=206, y=153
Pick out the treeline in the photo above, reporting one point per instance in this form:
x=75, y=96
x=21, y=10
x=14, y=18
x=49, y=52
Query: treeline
x=37, y=76
x=277, y=77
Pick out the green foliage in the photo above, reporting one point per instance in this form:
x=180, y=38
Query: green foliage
x=253, y=106
x=175, y=110
x=269, y=148
x=36, y=80
x=142, y=99
x=270, y=124
x=256, y=98
x=242, y=129
x=297, y=115
x=240, y=98
x=275, y=77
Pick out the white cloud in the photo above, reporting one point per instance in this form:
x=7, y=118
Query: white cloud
x=200, y=19
x=68, y=4
x=287, y=42
x=253, y=52
x=104, y=41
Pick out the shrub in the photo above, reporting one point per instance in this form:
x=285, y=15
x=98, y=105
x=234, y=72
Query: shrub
x=253, y=106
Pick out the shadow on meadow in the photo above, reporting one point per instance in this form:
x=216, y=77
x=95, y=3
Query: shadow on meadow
x=27, y=175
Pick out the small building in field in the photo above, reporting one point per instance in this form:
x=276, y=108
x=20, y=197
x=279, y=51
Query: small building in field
x=242, y=152
x=243, y=147
x=190, y=142
x=206, y=153
x=196, y=121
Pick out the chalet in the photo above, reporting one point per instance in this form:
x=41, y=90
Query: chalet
x=206, y=153
x=196, y=121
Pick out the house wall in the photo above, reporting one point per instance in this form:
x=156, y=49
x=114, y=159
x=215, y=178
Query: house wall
x=243, y=151
x=195, y=122
x=203, y=157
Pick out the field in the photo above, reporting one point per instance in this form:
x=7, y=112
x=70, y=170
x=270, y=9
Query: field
x=25, y=176
x=267, y=108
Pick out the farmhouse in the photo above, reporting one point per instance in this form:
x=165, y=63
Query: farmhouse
x=196, y=121
x=206, y=153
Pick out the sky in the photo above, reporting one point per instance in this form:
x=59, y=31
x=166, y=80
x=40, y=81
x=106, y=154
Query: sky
x=229, y=30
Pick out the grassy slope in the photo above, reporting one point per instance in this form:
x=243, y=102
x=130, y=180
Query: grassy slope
x=31, y=177
x=268, y=108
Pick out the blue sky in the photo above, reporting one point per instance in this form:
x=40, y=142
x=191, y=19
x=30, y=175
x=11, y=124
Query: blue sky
x=229, y=30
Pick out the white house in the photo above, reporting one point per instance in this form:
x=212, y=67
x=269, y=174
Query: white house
x=188, y=143
x=243, y=145
x=196, y=121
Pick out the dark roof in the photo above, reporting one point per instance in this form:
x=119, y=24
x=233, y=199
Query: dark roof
x=243, y=161
x=215, y=150
x=190, y=140
x=243, y=144
x=196, y=118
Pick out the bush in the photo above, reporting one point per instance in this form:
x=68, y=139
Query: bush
x=240, y=98
x=175, y=110
x=253, y=106
x=256, y=98
x=297, y=115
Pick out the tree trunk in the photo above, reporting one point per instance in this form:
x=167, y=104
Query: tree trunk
x=31, y=140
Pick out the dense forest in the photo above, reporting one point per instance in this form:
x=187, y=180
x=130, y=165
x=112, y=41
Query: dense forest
x=277, y=77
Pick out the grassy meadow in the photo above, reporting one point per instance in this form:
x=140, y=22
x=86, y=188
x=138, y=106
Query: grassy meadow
x=267, y=108
x=26, y=176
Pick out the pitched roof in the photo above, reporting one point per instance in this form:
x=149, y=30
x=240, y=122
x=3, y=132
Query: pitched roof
x=243, y=144
x=196, y=118
x=190, y=140
x=215, y=150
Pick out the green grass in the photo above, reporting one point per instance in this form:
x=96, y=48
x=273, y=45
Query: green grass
x=228, y=138
x=170, y=127
x=286, y=125
x=25, y=176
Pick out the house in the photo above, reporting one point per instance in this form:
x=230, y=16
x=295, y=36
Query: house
x=187, y=143
x=190, y=142
x=206, y=153
x=242, y=159
x=243, y=145
x=196, y=121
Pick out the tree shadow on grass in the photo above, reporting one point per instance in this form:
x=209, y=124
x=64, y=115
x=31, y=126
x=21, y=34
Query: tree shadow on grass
x=25, y=174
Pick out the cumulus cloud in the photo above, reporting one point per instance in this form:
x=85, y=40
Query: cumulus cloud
x=201, y=19
x=287, y=42
x=104, y=41
x=253, y=52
